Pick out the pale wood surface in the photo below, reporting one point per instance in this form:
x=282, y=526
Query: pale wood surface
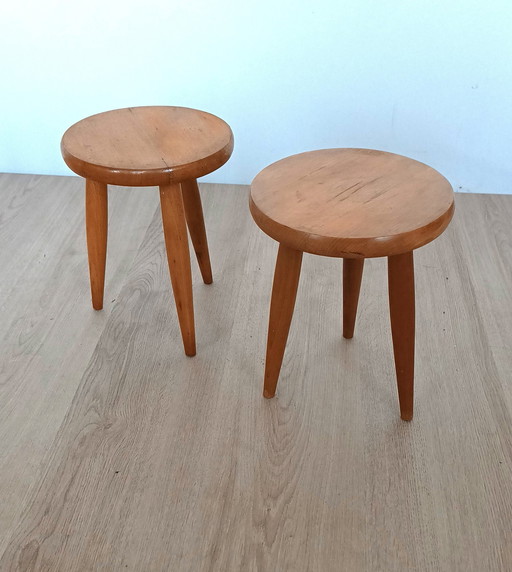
x=120, y=453
x=153, y=145
x=352, y=203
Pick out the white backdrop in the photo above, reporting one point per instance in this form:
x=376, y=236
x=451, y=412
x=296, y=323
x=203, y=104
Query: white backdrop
x=431, y=79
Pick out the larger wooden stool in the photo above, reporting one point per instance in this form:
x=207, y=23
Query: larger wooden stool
x=168, y=147
x=352, y=204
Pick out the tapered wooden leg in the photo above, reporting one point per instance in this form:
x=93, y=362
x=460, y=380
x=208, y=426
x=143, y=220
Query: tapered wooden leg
x=352, y=275
x=401, y=305
x=178, y=257
x=96, y=224
x=284, y=292
x=195, y=222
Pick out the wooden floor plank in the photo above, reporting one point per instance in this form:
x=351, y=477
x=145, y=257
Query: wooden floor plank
x=163, y=462
x=48, y=331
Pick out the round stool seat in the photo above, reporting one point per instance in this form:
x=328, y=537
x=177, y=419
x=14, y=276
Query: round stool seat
x=147, y=146
x=351, y=203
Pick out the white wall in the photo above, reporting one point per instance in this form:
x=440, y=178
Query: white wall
x=431, y=79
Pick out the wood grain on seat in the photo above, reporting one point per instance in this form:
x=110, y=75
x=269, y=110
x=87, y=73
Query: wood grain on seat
x=351, y=203
x=147, y=146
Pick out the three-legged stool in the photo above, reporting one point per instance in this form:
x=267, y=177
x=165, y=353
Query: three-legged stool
x=168, y=147
x=352, y=204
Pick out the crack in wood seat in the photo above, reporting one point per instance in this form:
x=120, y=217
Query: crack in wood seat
x=352, y=204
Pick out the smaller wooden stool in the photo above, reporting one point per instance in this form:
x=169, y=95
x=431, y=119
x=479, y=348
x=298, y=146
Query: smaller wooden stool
x=168, y=147
x=352, y=204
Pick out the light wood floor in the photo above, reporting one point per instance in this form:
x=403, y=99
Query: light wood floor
x=119, y=453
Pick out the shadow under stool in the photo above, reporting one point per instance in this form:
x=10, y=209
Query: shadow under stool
x=351, y=204
x=168, y=147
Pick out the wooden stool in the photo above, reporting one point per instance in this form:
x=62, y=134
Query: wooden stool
x=169, y=147
x=352, y=204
